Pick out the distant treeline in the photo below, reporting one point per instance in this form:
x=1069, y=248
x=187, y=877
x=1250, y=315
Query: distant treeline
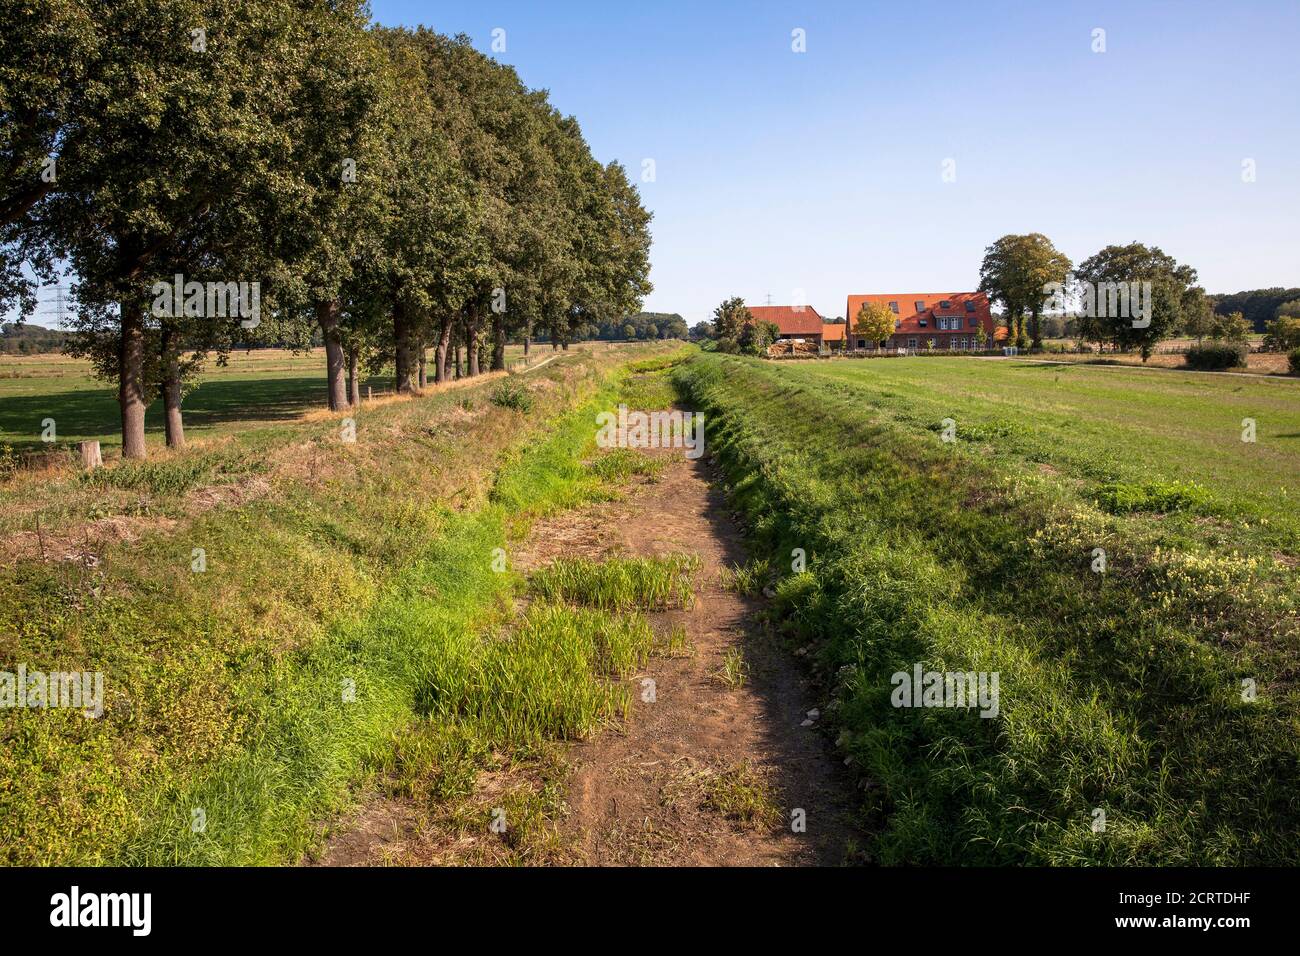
x=1257, y=306
x=24, y=339
x=643, y=325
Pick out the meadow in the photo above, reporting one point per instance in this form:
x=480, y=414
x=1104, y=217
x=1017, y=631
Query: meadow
x=1148, y=699
x=256, y=386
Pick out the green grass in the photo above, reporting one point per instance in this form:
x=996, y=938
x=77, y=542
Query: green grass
x=337, y=604
x=1094, y=426
x=620, y=464
x=620, y=583
x=734, y=670
x=748, y=579
x=255, y=388
x=1120, y=691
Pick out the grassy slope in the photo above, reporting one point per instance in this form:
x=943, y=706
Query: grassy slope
x=1119, y=691
x=366, y=563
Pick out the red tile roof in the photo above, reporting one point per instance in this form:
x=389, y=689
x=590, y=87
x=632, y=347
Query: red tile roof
x=833, y=332
x=790, y=319
x=910, y=319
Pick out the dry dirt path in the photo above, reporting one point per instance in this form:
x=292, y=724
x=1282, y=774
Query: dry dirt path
x=664, y=788
x=655, y=792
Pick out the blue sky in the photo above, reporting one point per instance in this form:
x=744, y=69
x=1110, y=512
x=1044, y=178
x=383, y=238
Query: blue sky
x=820, y=171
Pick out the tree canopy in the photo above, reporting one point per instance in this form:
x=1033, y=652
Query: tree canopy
x=385, y=190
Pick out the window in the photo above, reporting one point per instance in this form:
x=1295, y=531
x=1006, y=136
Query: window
x=945, y=304
x=898, y=323
x=974, y=322
x=920, y=305
x=911, y=343
x=970, y=306
x=924, y=322
x=862, y=343
x=893, y=307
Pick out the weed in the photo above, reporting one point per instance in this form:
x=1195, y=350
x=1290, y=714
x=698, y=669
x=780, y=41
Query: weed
x=740, y=793
x=748, y=579
x=734, y=670
x=620, y=583
x=513, y=394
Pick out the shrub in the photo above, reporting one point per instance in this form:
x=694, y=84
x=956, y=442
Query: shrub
x=513, y=394
x=1294, y=360
x=1216, y=356
x=1124, y=497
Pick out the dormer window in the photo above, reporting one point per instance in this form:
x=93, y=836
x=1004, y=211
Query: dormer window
x=970, y=306
x=923, y=323
x=893, y=307
x=945, y=304
x=920, y=305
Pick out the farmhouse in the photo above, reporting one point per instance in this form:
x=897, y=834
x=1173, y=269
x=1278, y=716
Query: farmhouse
x=833, y=335
x=797, y=323
x=942, y=320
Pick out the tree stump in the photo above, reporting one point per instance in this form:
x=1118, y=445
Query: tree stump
x=90, y=456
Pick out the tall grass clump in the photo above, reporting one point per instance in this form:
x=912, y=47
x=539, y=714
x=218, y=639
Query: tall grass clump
x=552, y=676
x=619, y=583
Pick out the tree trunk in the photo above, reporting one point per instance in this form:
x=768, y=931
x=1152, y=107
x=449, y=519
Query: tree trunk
x=440, y=351
x=327, y=315
x=90, y=455
x=130, y=391
x=1034, y=330
x=528, y=341
x=455, y=357
x=354, y=376
x=424, y=368
x=471, y=340
x=173, y=424
x=403, y=334
x=498, y=342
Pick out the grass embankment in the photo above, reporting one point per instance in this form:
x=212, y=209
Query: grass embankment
x=349, y=591
x=1125, y=691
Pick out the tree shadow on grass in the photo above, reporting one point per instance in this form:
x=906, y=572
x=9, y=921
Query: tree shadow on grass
x=93, y=412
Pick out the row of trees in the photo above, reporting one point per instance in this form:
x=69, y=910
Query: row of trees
x=643, y=325
x=1257, y=306
x=391, y=190
x=22, y=339
x=1026, y=273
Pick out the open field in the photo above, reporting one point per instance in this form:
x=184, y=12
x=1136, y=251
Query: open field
x=1102, y=427
x=266, y=385
x=1148, y=707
